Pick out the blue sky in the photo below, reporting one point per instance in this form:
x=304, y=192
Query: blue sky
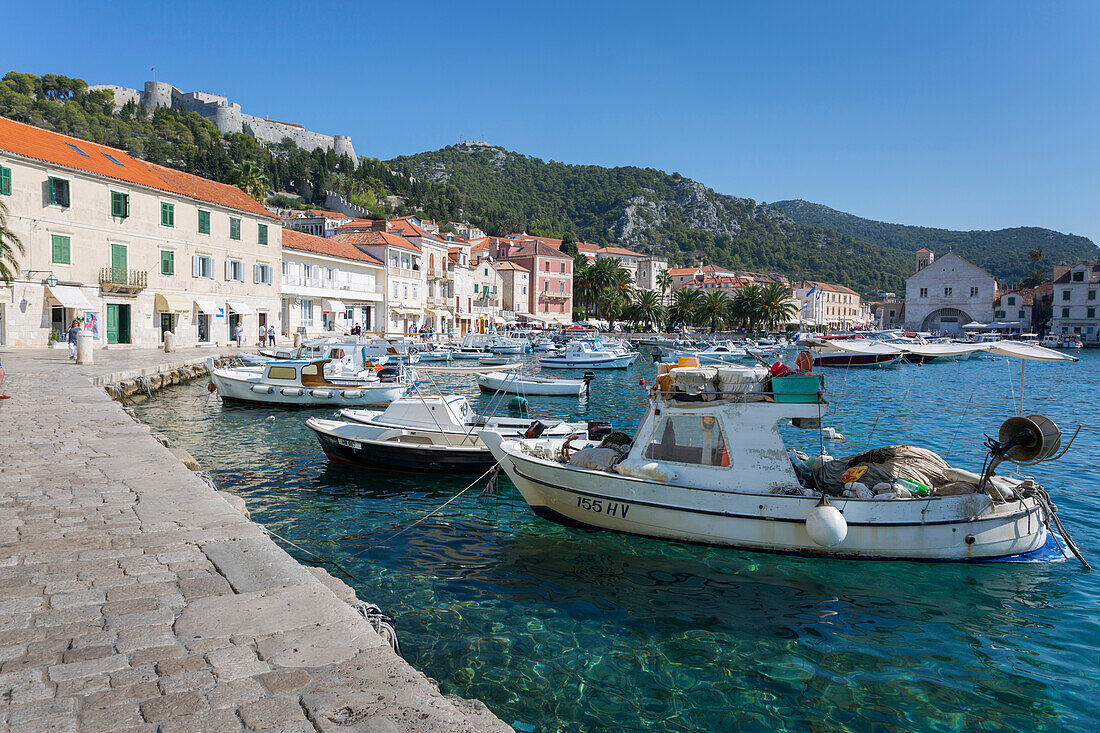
x=968, y=115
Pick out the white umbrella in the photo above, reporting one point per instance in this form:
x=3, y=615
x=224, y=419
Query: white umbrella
x=974, y=325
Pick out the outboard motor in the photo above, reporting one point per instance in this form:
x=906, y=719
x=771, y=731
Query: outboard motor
x=535, y=430
x=657, y=353
x=598, y=429
x=389, y=374
x=588, y=378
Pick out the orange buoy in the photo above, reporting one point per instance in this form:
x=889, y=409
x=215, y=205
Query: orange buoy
x=804, y=361
x=641, y=381
x=210, y=387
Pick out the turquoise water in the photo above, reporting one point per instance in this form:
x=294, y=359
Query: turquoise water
x=560, y=629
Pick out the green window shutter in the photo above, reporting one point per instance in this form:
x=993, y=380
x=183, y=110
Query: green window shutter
x=262, y=234
x=5, y=181
x=167, y=214
x=59, y=250
x=204, y=222
x=120, y=205
x=167, y=262
x=234, y=228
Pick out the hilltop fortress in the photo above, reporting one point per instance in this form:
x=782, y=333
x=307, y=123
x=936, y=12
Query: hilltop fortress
x=227, y=116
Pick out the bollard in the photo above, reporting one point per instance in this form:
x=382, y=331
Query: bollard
x=169, y=342
x=84, y=348
x=297, y=340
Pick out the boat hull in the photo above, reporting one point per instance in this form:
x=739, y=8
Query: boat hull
x=540, y=387
x=844, y=359
x=394, y=456
x=293, y=395
x=615, y=362
x=773, y=523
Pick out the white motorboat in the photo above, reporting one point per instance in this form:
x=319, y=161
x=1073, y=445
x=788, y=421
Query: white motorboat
x=429, y=353
x=716, y=351
x=525, y=384
x=307, y=382
x=852, y=352
x=586, y=355
x=426, y=433
x=709, y=465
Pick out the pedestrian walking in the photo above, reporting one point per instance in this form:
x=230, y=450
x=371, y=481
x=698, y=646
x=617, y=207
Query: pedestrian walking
x=271, y=335
x=238, y=333
x=70, y=336
x=2, y=395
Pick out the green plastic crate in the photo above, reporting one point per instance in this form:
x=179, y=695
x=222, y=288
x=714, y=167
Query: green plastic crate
x=797, y=389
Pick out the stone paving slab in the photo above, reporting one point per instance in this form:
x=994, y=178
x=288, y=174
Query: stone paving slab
x=133, y=597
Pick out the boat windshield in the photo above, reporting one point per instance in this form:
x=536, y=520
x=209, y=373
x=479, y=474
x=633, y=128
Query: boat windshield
x=694, y=439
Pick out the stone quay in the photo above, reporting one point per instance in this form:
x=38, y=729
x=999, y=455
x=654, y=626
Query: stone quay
x=134, y=597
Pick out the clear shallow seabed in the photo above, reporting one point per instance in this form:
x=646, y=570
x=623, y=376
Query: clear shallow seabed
x=560, y=629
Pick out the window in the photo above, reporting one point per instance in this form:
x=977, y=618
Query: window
x=78, y=150
x=1066, y=294
x=167, y=262
x=475, y=288
x=234, y=271
x=494, y=290
x=406, y=291
x=120, y=204
x=924, y=292
x=689, y=439
x=1021, y=314
x=167, y=214
x=562, y=267
x=263, y=274
x=1065, y=313
x=525, y=290
x=1012, y=300
x=307, y=312
x=973, y=292
x=1078, y=276
x=202, y=266
x=113, y=159
x=204, y=222
x=395, y=290
x=261, y=234
x=1092, y=295
x=59, y=191
x=5, y=181
x=947, y=292
x=234, y=228
x=283, y=372
x=59, y=250
x=1092, y=313
x=1000, y=314
x=414, y=292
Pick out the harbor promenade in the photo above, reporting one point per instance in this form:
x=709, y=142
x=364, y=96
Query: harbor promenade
x=134, y=597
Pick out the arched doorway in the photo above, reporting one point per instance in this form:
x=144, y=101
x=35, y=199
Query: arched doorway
x=945, y=320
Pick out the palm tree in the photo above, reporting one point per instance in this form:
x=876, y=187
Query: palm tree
x=776, y=306
x=684, y=310
x=610, y=304
x=1035, y=255
x=647, y=308
x=608, y=274
x=251, y=179
x=713, y=309
x=664, y=282
x=9, y=245
x=745, y=309
x=583, y=288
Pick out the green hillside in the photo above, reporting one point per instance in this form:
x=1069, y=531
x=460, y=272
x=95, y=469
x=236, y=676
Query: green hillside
x=1004, y=252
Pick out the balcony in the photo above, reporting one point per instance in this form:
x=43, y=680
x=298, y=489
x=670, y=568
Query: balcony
x=437, y=273
x=547, y=295
x=122, y=281
x=438, y=301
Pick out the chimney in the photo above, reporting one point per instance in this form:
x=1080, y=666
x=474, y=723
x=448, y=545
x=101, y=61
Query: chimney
x=379, y=225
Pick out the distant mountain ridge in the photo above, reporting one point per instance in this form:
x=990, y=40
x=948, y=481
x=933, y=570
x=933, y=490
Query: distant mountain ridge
x=1004, y=252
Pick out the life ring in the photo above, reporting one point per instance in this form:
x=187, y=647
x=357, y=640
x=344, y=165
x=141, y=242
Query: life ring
x=567, y=448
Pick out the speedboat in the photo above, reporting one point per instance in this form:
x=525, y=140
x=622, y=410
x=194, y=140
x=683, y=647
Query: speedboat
x=708, y=465
x=715, y=351
x=1070, y=341
x=428, y=353
x=585, y=355
x=524, y=384
x=425, y=433
x=307, y=382
x=851, y=352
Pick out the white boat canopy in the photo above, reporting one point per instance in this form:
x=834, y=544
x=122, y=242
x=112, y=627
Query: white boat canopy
x=934, y=350
x=69, y=296
x=858, y=346
x=1024, y=350
x=238, y=307
x=973, y=326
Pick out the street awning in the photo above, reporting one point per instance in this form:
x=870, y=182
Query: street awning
x=442, y=314
x=404, y=311
x=70, y=296
x=172, y=303
x=239, y=308
x=208, y=307
x=332, y=306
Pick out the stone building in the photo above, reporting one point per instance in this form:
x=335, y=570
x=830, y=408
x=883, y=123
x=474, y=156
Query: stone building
x=1015, y=309
x=826, y=304
x=405, y=288
x=515, y=284
x=488, y=295
x=227, y=116
x=1074, y=304
x=131, y=248
x=946, y=293
x=329, y=286
x=550, y=297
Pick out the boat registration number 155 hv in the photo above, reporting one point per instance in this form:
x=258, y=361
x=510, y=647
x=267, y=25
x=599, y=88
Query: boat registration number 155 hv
x=610, y=508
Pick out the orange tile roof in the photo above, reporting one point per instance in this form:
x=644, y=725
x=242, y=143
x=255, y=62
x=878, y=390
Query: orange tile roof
x=923, y=249
x=328, y=214
x=334, y=247
x=620, y=251
x=830, y=286
x=57, y=149
x=355, y=225
x=587, y=247
x=676, y=271
x=376, y=239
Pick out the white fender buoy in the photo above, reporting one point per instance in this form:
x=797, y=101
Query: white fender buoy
x=826, y=525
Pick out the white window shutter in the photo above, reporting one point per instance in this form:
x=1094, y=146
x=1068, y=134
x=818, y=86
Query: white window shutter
x=256, y=275
x=196, y=266
x=228, y=269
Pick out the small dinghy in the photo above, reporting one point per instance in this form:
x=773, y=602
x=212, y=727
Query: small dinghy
x=523, y=384
x=428, y=433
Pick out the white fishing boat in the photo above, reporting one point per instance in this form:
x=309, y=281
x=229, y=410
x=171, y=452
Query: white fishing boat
x=709, y=465
x=585, y=355
x=426, y=433
x=528, y=385
x=308, y=382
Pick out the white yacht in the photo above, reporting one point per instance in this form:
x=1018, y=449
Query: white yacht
x=586, y=354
